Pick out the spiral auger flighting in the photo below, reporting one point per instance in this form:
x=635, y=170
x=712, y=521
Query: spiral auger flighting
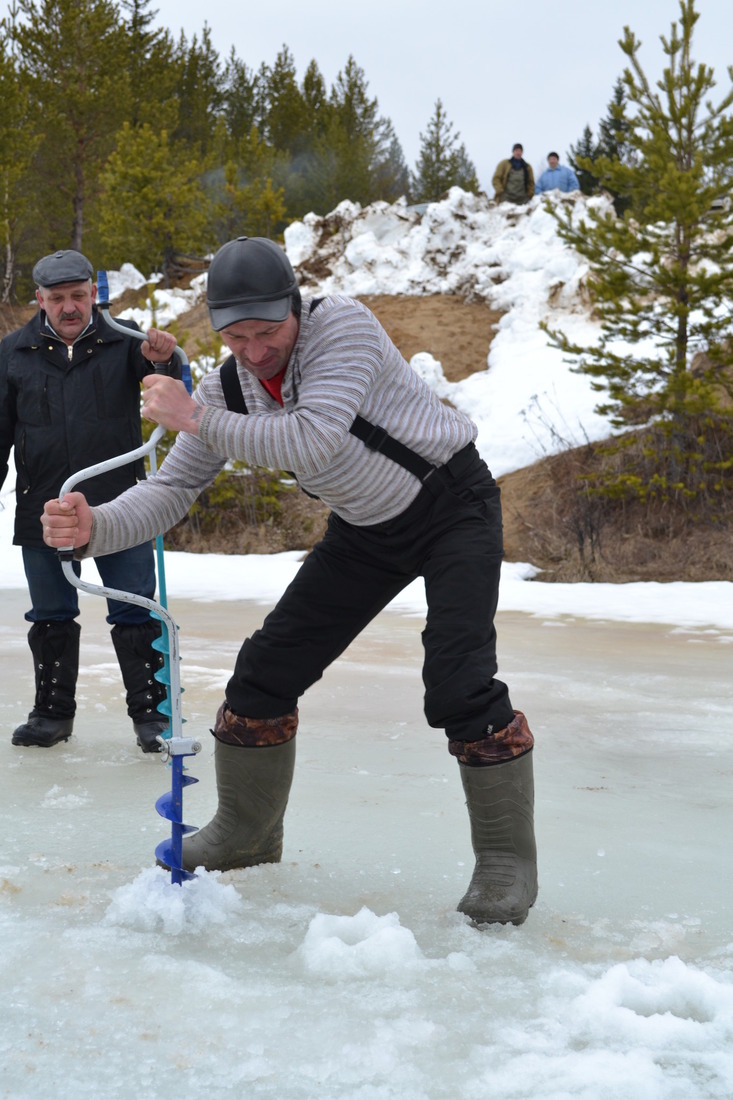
x=170, y=805
x=174, y=746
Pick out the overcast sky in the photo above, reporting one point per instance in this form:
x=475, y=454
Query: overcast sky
x=534, y=72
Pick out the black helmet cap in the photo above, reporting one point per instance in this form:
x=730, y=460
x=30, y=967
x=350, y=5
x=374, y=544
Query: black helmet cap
x=250, y=278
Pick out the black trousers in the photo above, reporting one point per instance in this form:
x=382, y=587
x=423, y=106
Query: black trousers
x=451, y=535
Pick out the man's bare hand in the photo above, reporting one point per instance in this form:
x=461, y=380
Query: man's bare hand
x=166, y=401
x=67, y=522
x=159, y=346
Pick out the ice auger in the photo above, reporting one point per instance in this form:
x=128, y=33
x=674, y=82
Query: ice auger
x=174, y=746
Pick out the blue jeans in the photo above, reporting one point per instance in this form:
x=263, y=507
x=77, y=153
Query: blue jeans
x=55, y=600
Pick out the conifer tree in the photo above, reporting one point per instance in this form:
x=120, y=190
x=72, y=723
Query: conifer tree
x=287, y=117
x=154, y=207
x=249, y=203
x=18, y=143
x=442, y=162
x=582, y=155
x=148, y=61
x=662, y=276
x=315, y=98
x=614, y=128
x=355, y=136
x=392, y=176
x=70, y=52
x=200, y=91
x=612, y=144
x=242, y=107
x=354, y=155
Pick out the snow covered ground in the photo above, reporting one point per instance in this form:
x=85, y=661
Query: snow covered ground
x=345, y=972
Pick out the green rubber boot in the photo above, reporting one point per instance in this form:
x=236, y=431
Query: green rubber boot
x=253, y=786
x=500, y=800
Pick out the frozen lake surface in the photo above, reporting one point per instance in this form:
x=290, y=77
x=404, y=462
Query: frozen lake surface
x=345, y=972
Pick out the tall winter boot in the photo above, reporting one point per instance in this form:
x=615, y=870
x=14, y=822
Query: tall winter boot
x=55, y=649
x=500, y=800
x=254, y=759
x=139, y=662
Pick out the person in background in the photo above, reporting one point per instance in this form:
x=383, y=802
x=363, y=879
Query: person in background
x=513, y=180
x=316, y=387
x=557, y=177
x=70, y=398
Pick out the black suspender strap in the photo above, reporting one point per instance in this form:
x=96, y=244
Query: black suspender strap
x=230, y=385
x=377, y=439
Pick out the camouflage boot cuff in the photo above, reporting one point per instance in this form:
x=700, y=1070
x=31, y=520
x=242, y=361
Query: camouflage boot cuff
x=235, y=729
x=497, y=747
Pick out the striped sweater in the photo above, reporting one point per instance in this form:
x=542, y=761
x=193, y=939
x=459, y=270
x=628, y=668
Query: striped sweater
x=343, y=363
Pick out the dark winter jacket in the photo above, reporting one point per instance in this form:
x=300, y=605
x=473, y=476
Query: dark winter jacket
x=67, y=408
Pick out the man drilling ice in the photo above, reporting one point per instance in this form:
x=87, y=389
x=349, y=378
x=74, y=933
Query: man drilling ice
x=316, y=387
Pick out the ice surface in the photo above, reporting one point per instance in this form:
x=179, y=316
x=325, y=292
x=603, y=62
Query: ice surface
x=345, y=971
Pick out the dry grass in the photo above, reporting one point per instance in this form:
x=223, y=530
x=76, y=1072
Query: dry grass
x=572, y=534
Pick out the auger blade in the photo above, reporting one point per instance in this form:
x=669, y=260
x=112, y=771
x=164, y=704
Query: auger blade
x=169, y=807
x=164, y=855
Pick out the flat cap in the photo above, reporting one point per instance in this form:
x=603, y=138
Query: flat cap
x=66, y=266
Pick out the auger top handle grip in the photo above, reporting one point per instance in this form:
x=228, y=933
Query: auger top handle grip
x=103, y=306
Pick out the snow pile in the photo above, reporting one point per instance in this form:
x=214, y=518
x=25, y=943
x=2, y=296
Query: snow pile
x=361, y=946
x=466, y=245
x=163, y=306
x=153, y=903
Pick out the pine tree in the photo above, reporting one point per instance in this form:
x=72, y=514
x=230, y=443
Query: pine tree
x=242, y=107
x=391, y=175
x=614, y=128
x=149, y=64
x=287, y=118
x=154, y=206
x=248, y=203
x=662, y=277
x=315, y=98
x=70, y=53
x=294, y=118
x=612, y=144
x=349, y=156
x=200, y=91
x=354, y=136
x=442, y=162
x=18, y=144
x=580, y=156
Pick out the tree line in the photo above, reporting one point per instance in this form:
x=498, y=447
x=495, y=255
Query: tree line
x=117, y=140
